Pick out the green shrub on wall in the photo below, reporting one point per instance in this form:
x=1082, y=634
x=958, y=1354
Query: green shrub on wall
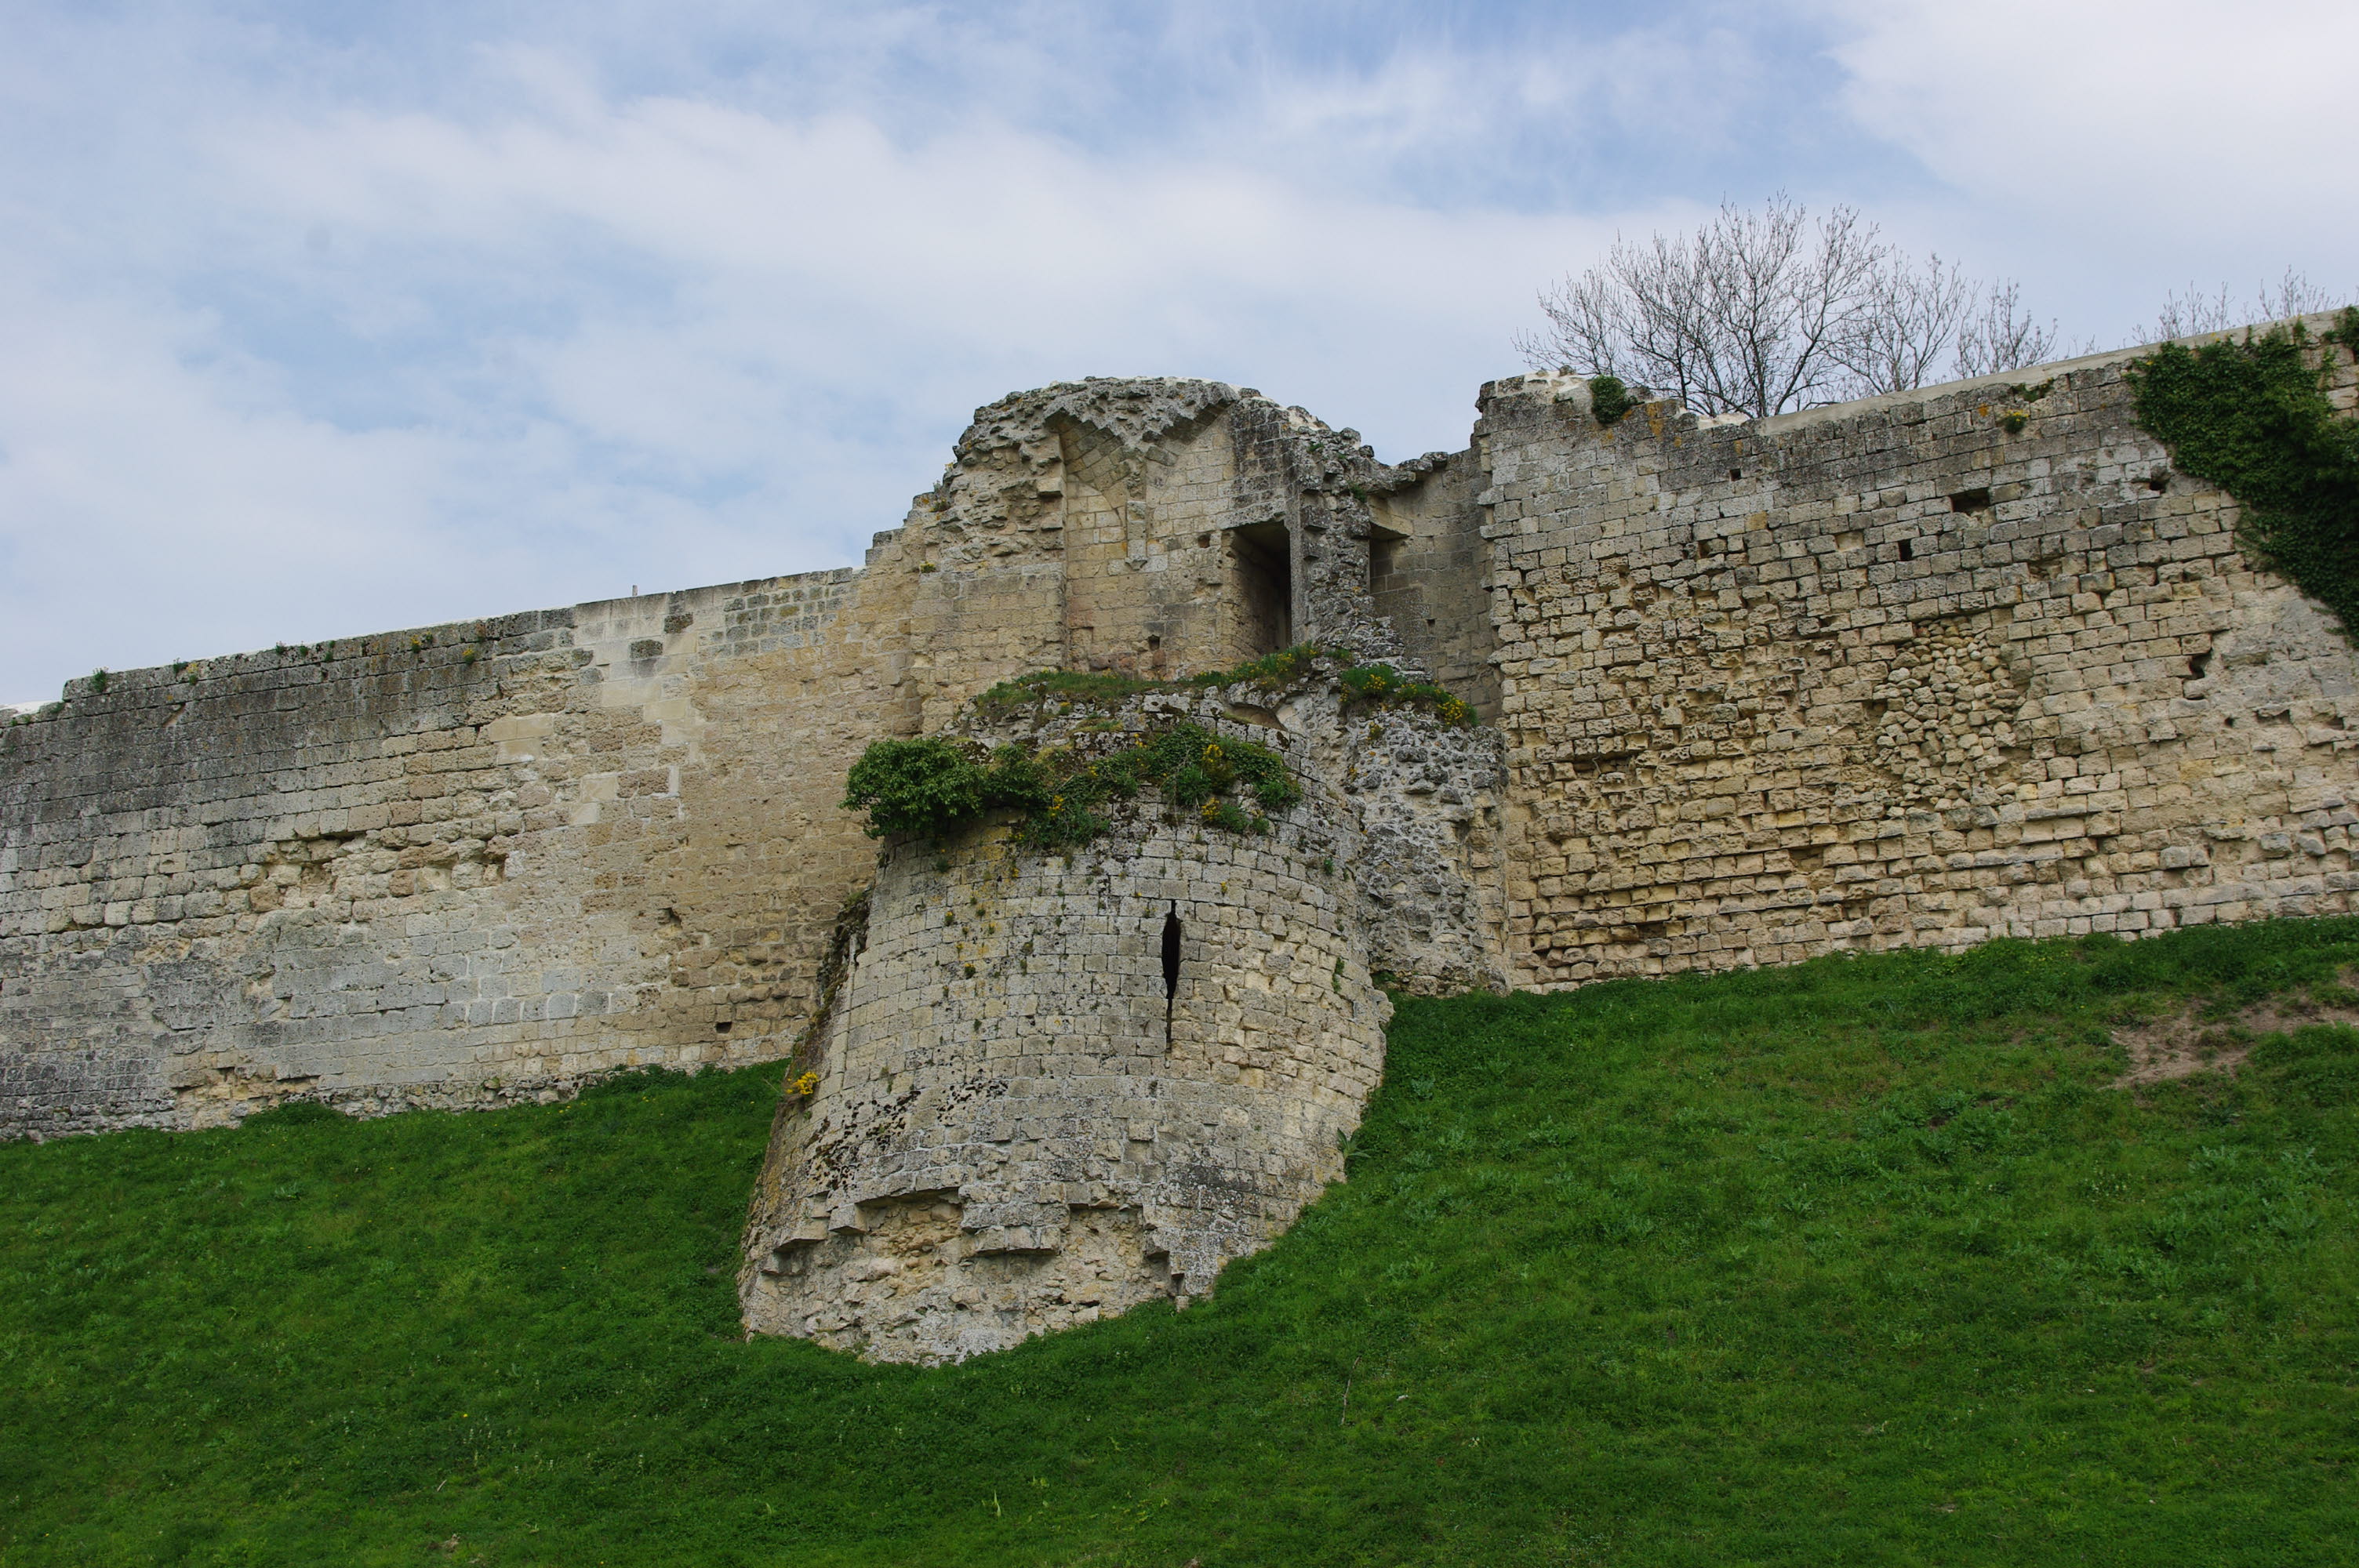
x=931, y=788
x=2252, y=416
x=1609, y=399
x=915, y=786
x=1369, y=685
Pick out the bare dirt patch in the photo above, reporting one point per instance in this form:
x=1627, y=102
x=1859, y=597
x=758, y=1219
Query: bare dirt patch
x=2188, y=1042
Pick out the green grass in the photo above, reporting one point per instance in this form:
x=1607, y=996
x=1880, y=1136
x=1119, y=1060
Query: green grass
x=1853, y=1262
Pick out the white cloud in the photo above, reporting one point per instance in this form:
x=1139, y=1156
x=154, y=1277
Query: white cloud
x=2237, y=106
x=2124, y=147
x=542, y=355
x=824, y=255
x=151, y=506
x=317, y=333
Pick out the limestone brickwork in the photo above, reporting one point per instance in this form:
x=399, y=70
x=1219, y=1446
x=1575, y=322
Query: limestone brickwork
x=1939, y=667
x=1015, y=1129
x=447, y=867
x=466, y=863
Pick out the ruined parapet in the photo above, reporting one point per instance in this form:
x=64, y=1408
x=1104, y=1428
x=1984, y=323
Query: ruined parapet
x=461, y=865
x=1159, y=527
x=1057, y=1084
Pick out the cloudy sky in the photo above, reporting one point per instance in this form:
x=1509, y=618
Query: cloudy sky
x=323, y=319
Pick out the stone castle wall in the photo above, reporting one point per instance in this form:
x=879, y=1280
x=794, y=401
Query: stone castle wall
x=466, y=863
x=452, y=866
x=1923, y=670
x=1943, y=666
x=1947, y=664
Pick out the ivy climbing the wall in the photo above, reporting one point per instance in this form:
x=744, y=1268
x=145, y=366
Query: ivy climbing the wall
x=932, y=787
x=2252, y=416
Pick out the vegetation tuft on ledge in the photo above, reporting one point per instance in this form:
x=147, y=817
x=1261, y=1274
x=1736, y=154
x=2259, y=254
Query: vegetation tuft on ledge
x=1368, y=684
x=932, y=787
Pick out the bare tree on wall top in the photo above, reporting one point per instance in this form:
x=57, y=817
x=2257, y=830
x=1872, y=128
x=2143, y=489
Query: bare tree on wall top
x=2294, y=295
x=1762, y=312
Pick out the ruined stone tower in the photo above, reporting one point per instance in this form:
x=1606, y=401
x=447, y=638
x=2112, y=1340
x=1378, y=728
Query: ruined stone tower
x=1051, y=1085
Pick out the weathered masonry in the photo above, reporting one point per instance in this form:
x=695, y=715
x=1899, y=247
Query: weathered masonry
x=473, y=862
x=1967, y=662
x=1051, y=1085
x=1926, y=670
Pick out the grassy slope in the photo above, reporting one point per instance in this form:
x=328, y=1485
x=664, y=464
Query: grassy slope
x=1847, y=1263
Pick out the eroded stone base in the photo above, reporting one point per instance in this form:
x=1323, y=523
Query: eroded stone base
x=917, y=1286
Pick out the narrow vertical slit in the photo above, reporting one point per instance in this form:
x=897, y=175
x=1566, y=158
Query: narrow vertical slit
x=1171, y=970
